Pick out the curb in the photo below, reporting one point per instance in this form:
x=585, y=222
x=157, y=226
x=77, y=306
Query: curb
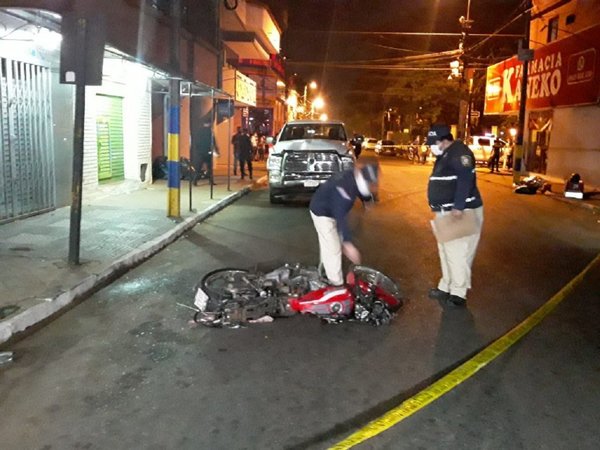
x=582, y=204
x=13, y=325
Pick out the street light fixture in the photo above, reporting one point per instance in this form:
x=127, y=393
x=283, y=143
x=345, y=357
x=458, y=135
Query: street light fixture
x=292, y=101
x=319, y=103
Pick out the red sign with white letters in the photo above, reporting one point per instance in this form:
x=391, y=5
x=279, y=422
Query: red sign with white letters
x=563, y=73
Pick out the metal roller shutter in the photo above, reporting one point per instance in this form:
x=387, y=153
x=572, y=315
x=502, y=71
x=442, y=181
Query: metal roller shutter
x=27, y=154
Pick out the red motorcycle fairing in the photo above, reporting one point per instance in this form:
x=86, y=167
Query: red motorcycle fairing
x=327, y=301
x=392, y=302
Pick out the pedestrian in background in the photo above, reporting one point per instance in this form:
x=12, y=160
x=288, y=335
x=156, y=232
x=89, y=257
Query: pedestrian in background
x=203, y=147
x=254, y=141
x=495, y=157
x=262, y=144
x=245, y=155
x=235, y=141
x=453, y=190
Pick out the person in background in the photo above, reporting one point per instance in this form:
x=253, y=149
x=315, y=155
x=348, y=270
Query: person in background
x=357, y=144
x=235, y=141
x=262, y=144
x=254, y=141
x=201, y=152
x=245, y=155
x=495, y=157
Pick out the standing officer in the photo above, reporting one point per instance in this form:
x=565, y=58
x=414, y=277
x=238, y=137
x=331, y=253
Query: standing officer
x=236, y=142
x=329, y=208
x=245, y=153
x=453, y=189
x=495, y=158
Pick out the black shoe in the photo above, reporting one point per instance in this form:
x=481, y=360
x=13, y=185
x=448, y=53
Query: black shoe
x=455, y=300
x=438, y=294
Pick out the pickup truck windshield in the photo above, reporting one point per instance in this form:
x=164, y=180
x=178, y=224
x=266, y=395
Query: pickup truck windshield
x=314, y=131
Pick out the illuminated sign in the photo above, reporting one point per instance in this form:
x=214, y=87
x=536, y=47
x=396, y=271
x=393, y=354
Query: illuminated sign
x=563, y=73
x=245, y=89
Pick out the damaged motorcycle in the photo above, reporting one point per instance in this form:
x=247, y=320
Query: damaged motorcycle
x=230, y=297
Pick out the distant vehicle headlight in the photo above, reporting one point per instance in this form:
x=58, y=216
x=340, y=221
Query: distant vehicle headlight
x=274, y=162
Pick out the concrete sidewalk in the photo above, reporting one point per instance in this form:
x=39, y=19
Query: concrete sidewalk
x=120, y=228
x=591, y=200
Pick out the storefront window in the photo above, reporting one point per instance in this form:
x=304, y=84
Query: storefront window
x=553, y=29
x=260, y=121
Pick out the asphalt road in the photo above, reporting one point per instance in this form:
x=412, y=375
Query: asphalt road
x=125, y=369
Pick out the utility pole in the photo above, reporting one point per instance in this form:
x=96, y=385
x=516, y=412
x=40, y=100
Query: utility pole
x=465, y=24
x=78, y=135
x=81, y=60
x=525, y=55
x=174, y=178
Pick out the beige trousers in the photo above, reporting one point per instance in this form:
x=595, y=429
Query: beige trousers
x=456, y=258
x=330, y=248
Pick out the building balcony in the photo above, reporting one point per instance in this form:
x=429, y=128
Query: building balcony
x=250, y=31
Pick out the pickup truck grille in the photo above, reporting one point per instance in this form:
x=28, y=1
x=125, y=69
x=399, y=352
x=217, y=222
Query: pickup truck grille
x=311, y=162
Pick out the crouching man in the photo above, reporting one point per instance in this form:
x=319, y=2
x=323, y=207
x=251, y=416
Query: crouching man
x=329, y=209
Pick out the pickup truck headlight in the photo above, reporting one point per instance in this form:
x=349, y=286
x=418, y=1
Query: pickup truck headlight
x=347, y=162
x=274, y=162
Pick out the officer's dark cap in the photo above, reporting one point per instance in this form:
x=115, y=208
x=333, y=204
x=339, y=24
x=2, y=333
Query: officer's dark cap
x=438, y=132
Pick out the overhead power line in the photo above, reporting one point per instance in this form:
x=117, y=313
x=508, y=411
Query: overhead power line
x=380, y=66
x=404, y=33
x=439, y=56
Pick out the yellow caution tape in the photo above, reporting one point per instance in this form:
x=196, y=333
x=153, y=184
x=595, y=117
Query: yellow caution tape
x=462, y=372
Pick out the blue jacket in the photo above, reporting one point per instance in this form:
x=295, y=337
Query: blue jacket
x=335, y=199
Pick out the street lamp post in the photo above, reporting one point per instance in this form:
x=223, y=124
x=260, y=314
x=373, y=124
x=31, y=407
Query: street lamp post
x=317, y=104
x=313, y=85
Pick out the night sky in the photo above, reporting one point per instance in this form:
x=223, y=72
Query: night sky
x=307, y=38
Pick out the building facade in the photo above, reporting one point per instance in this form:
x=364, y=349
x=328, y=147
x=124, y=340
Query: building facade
x=253, y=71
x=125, y=116
x=563, y=90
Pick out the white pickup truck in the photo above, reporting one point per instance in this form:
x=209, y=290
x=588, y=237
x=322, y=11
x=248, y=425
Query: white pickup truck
x=306, y=153
x=481, y=146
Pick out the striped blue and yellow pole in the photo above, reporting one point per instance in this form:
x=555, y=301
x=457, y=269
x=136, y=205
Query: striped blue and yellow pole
x=174, y=178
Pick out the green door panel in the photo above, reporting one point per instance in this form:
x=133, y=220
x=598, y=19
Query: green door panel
x=109, y=125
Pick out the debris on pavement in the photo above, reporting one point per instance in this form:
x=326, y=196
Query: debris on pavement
x=8, y=310
x=6, y=357
x=263, y=319
x=531, y=185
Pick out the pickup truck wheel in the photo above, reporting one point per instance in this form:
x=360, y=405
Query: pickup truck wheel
x=274, y=199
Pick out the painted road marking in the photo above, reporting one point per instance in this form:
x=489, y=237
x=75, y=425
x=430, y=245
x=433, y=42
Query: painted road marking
x=464, y=371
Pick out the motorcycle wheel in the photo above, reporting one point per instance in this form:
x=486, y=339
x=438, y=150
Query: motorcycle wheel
x=378, y=281
x=222, y=284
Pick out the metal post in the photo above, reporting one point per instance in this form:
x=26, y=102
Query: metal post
x=174, y=179
x=229, y=146
x=212, y=142
x=518, y=149
x=193, y=175
x=190, y=191
x=78, y=130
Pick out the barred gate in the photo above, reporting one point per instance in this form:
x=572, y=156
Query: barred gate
x=27, y=183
